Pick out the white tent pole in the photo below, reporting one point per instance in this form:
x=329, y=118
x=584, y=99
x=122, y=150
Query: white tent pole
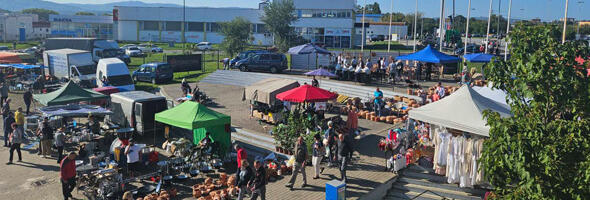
x=467, y=28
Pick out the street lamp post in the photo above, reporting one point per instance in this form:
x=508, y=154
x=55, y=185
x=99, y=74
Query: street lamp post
x=183, y=24
x=507, y=31
x=580, y=9
x=441, y=24
x=467, y=28
x=415, y=24
x=363, y=27
x=488, y=32
x=390, y=18
x=564, y=22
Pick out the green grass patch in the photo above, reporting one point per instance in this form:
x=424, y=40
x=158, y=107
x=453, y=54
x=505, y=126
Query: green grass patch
x=23, y=45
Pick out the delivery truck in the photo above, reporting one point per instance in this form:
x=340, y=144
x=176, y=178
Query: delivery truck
x=137, y=109
x=98, y=47
x=71, y=64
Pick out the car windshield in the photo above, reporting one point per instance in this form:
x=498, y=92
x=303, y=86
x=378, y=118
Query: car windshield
x=110, y=53
x=133, y=48
x=120, y=80
x=86, y=70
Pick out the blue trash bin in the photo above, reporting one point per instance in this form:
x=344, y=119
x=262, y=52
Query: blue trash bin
x=335, y=190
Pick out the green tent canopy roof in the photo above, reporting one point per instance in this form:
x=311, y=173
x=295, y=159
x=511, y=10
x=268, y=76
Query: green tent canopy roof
x=69, y=93
x=192, y=115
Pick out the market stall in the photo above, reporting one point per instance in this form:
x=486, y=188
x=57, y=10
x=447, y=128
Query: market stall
x=308, y=55
x=262, y=94
x=69, y=93
x=200, y=119
x=431, y=55
x=454, y=139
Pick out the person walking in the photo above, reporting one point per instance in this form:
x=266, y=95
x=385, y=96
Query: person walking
x=16, y=138
x=314, y=82
x=60, y=140
x=68, y=175
x=46, y=135
x=299, y=165
x=329, y=143
x=378, y=102
x=244, y=177
x=343, y=154
x=28, y=98
x=8, y=121
x=317, y=155
x=241, y=155
x=259, y=182
x=3, y=92
x=19, y=119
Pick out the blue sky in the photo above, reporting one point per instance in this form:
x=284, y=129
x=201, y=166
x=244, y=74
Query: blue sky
x=527, y=9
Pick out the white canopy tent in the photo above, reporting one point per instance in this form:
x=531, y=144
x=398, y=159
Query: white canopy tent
x=491, y=93
x=462, y=110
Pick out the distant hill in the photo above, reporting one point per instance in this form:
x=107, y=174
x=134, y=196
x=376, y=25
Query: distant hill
x=71, y=8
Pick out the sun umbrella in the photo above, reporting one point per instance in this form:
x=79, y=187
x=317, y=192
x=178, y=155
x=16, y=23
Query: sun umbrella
x=320, y=72
x=430, y=55
x=306, y=93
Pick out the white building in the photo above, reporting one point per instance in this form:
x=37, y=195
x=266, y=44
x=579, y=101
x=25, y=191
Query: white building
x=100, y=27
x=41, y=30
x=16, y=26
x=328, y=22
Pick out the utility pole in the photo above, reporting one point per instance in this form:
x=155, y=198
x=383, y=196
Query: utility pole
x=415, y=24
x=564, y=22
x=580, y=9
x=488, y=32
x=184, y=24
x=507, y=31
x=390, y=18
x=363, y=28
x=441, y=24
x=467, y=28
x=453, y=20
x=499, y=17
x=422, y=28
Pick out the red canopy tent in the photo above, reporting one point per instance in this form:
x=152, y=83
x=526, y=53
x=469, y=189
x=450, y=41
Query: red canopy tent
x=306, y=93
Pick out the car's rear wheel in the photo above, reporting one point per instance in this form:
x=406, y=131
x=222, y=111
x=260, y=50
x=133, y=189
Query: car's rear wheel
x=273, y=70
x=243, y=68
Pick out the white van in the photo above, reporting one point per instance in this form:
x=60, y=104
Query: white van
x=116, y=73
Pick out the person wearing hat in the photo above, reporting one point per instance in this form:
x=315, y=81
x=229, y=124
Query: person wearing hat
x=132, y=152
x=68, y=174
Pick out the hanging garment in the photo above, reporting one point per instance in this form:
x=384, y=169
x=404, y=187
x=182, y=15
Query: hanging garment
x=479, y=179
x=466, y=168
x=436, y=143
x=474, y=163
x=445, y=139
x=451, y=160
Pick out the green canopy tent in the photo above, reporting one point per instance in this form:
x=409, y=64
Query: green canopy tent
x=194, y=116
x=69, y=93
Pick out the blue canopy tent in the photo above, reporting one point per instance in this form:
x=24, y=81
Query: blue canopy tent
x=430, y=55
x=478, y=57
x=22, y=66
x=308, y=49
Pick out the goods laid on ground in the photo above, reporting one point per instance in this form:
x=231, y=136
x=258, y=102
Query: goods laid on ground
x=221, y=189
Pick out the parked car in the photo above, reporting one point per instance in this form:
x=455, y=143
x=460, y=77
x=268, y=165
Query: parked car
x=136, y=109
x=204, y=46
x=245, y=55
x=150, y=48
x=376, y=38
x=272, y=62
x=133, y=51
x=124, y=47
x=154, y=73
x=4, y=48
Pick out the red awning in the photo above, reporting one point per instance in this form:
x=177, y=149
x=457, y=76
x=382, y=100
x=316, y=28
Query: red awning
x=306, y=93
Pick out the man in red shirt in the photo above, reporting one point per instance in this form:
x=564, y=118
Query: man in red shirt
x=68, y=175
x=241, y=155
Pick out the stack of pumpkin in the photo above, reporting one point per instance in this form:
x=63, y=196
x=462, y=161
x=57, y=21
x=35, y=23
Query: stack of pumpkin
x=164, y=195
x=217, y=190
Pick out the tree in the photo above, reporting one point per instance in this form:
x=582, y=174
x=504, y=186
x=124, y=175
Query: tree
x=371, y=9
x=42, y=13
x=278, y=16
x=543, y=150
x=85, y=13
x=107, y=14
x=237, y=34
